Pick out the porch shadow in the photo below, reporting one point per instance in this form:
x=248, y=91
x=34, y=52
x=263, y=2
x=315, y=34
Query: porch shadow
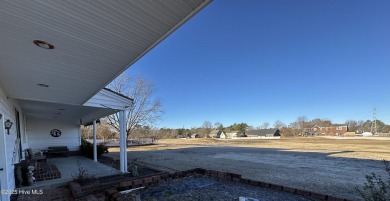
x=68, y=167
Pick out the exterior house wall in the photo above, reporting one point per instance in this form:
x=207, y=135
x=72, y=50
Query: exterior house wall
x=334, y=130
x=230, y=135
x=263, y=133
x=330, y=130
x=195, y=136
x=38, y=131
x=7, y=109
x=234, y=134
x=316, y=128
x=212, y=135
x=215, y=134
x=221, y=135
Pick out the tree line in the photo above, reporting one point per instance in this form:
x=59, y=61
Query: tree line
x=292, y=129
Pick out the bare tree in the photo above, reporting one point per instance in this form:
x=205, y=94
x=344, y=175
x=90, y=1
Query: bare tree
x=86, y=132
x=297, y=127
x=218, y=125
x=251, y=128
x=279, y=124
x=302, y=122
x=145, y=111
x=289, y=131
x=207, y=125
x=319, y=122
x=352, y=125
x=206, y=128
x=265, y=125
x=103, y=131
x=360, y=125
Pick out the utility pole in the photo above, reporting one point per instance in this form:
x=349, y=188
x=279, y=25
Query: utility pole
x=373, y=123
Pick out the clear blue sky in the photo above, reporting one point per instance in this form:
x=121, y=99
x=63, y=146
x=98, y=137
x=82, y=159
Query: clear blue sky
x=261, y=61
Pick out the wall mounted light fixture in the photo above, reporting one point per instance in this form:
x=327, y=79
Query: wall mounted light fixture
x=8, y=125
x=43, y=44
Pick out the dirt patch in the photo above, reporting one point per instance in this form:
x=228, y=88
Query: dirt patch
x=200, y=187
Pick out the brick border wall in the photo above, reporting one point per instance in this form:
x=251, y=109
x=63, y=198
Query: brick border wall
x=237, y=178
x=79, y=191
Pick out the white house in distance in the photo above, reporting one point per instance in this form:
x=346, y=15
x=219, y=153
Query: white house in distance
x=232, y=134
x=216, y=133
x=56, y=57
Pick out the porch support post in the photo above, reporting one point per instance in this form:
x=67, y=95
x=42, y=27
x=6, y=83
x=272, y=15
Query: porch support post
x=123, y=143
x=94, y=142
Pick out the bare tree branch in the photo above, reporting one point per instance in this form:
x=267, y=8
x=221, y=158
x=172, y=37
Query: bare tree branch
x=146, y=109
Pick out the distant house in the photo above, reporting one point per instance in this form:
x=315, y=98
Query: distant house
x=273, y=132
x=334, y=130
x=215, y=134
x=195, y=135
x=223, y=136
x=234, y=134
x=181, y=136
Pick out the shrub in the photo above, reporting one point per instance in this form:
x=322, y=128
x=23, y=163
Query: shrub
x=86, y=149
x=133, y=168
x=82, y=177
x=375, y=189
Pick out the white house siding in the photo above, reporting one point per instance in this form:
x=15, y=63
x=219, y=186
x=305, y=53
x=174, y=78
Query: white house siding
x=7, y=109
x=231, y=135
x=38, y=131
x=223, y=135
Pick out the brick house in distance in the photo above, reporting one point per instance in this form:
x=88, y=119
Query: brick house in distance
x=334, y=130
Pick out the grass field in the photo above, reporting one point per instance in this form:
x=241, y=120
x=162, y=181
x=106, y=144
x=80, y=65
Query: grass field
x=333, y=166
x=375, y=148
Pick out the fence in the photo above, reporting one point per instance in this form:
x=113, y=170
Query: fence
x=383, y=134
x=130, y=142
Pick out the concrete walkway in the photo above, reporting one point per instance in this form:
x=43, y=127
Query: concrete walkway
x=68, y=167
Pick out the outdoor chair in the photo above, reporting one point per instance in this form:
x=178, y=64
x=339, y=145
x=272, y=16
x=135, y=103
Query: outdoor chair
x=34, y=157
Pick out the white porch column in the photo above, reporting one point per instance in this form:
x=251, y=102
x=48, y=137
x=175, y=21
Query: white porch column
x=125, y=151
x=94, y=142
x=123, y=143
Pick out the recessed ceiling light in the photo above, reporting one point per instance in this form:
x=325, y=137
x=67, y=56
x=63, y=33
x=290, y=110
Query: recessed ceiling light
x=43, y=44
x=43, y=85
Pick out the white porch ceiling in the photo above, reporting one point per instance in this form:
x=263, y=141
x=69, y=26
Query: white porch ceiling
x=62, y=112
x=94, y=42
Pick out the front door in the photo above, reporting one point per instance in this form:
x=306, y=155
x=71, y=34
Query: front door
x=3, y=181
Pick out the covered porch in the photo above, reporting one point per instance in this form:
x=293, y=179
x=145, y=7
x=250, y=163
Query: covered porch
x=44, y=118
x=68, y=167
x=55, y=125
